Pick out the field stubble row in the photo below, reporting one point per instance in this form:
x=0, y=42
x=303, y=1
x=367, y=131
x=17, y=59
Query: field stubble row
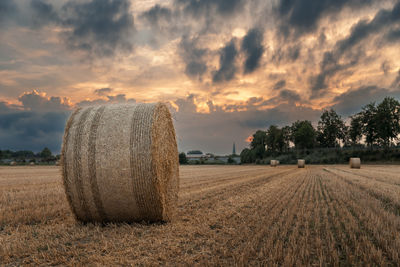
x=241, y=215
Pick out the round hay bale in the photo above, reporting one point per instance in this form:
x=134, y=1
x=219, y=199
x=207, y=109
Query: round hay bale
x=120, y=163
x=273, y=163
x=32, y=163
x=13, y=163
x=355, y=163
x=301, y=163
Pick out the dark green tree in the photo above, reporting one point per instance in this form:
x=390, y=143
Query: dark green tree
x=274, y=140
x=331, y=129
x=355, y=129
x=303, y=134
x=370, y=123
x=388, y=118
x=247, y=156
x=182, y=158
x=46, y=154
x=287, y=137
x=258, y=144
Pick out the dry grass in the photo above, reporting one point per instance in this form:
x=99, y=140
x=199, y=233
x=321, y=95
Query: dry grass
x=247, y=215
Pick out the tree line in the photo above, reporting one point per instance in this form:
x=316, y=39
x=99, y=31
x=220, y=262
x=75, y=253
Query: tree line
x=29, y=156
x=376, y=125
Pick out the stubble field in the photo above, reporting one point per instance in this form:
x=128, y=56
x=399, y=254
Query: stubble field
x=227, y=215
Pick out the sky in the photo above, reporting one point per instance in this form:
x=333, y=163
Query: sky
x=224, y=67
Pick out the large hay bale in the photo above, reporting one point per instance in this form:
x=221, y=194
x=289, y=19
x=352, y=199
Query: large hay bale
x=32, y=163
x=273, y=163
x=13, y=163
x=120, y=163
x=355, y=163
x=301, y=163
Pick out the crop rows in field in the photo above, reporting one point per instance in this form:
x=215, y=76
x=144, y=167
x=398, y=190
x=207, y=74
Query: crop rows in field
x=244, y=215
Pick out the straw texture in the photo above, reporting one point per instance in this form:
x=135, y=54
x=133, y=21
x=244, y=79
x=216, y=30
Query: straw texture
x=301, y=163
x=120, y=163
x=355, y=163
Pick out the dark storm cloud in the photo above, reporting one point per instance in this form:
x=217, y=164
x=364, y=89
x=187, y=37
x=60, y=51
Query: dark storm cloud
x=99, y=26
x=37, y=123
x=385, y=67
x=227, y=65
x=103, y=91
x=8, y=8
x=157, y=15
x=111, y=99
x=289, y=95
x=253, y=48
x=363, y=29
x=193, y=56
x=206, y=7
x=35, y=102
x=396, y=82
x=352, y=101
x=286, y=53
x=331, y=65
x=303, y=16
x=279, y=85
x=43, y=13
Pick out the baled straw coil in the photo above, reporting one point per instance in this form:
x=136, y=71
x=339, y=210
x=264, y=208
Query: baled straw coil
x=120, y=163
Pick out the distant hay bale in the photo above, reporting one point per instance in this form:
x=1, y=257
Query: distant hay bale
x=273, y=163
x=13, y=163
x=355, y=163
x=31, y=163
x=278, y=162
x=57, y=163
x=120, y=163
x=301, y=163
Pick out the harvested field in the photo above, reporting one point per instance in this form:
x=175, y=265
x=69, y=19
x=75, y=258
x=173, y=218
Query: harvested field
x=227, y=215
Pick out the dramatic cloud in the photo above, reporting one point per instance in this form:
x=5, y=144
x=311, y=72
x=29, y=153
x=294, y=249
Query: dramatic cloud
x=303, y=16
x=207, y=7
x=351, y=102
x=36, y=123
x=157, y=16
x=279, y=85
x=396, y=82
x=111, y=99
x=193, y=56
x=36, y=101
x=253, y=48
x=331, y=65
x=99, y=27
x=227, y=64
x=103, y=91
x=43, y=13
x=8, y=8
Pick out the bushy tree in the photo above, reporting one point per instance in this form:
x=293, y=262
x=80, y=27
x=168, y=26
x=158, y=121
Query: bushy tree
x=182, y=158
x=303, y=134
x=331, y=129
x=247, y=156
x=258, y=144
x=274, y=140
x=388, y=121
x=370, y=123
x=355, y=130
x=46, y=154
